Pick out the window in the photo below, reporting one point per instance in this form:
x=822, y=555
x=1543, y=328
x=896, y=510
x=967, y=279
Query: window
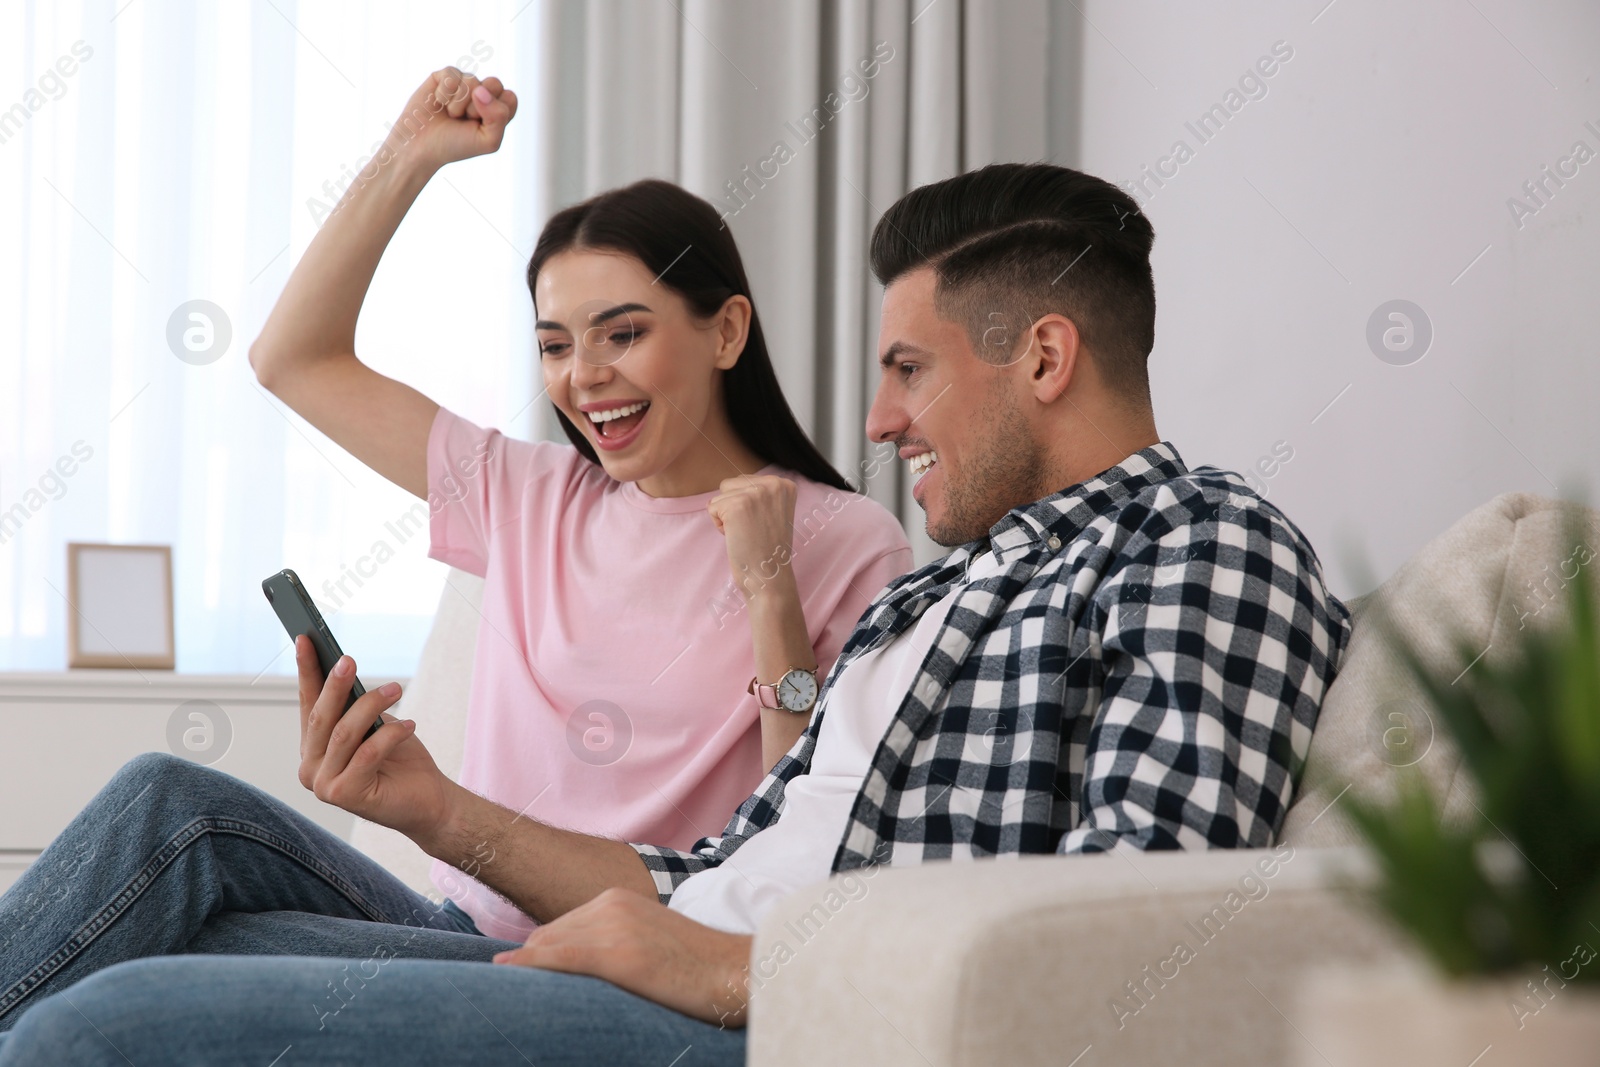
x=162, y=168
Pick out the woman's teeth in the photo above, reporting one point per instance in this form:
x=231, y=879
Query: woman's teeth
x=922, y=461
x=617, y=413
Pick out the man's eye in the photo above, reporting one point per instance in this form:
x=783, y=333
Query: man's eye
x=906, y=369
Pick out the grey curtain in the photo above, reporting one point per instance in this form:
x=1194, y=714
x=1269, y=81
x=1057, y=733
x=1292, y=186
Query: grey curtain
x=804, y=120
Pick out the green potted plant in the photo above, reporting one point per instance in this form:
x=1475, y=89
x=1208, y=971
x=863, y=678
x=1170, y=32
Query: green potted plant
x=1504, y=905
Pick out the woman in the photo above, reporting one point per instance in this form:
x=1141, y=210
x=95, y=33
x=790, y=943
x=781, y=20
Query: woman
x=618, y=669
x=614, y=621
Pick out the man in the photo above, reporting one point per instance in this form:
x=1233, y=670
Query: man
x=1117, y=653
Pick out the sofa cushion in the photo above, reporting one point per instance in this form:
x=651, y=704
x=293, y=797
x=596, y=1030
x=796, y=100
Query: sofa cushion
x=1491, y=573
x=436, y=697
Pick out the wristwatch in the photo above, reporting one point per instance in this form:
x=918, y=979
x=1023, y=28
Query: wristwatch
x=796, y=691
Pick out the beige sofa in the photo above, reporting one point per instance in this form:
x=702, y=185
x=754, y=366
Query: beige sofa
x=1187, y=958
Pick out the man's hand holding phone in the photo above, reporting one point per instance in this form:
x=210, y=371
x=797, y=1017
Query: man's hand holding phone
x=388, y=778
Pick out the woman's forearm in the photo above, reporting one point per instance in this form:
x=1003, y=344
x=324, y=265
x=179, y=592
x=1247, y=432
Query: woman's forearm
x=778, y=632
x=315, y=317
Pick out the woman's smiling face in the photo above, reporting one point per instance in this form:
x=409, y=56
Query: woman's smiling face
x=628, y=362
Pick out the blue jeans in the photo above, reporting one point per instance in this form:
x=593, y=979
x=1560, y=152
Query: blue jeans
x=187, y=917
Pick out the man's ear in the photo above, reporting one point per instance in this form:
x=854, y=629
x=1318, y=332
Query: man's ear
x=1055, y=346
x=733, y=330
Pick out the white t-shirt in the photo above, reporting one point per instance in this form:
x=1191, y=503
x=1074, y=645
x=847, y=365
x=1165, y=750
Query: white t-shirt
x=798, y=849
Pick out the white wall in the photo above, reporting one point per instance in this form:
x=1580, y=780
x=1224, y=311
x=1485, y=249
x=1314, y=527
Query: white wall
x=1377, y=166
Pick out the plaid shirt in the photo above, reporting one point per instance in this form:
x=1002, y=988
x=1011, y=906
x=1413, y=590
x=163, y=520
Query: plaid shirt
x=1144, y=672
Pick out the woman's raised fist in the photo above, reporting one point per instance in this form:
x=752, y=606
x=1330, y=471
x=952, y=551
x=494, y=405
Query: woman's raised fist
x=453, y=116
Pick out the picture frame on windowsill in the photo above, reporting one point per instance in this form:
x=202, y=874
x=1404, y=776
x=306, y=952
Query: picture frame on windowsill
x=120, y=606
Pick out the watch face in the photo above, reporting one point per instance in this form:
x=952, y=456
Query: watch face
x=797, y=690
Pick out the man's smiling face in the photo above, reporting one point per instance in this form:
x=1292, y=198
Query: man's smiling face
x=958, y=420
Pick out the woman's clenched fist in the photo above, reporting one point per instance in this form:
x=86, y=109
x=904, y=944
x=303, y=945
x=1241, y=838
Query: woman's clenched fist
x=452, y=116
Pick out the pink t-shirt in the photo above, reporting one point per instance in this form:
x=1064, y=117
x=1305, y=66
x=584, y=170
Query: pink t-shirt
x=613, y=655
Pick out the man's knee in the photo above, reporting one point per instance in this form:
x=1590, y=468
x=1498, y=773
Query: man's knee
x=152, y=779
x=128, y=1012
x=161, y=768
x=57, y=1030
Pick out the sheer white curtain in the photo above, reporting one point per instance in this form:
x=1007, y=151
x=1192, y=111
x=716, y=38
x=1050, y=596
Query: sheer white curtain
x=154, y=153
x=188, y=158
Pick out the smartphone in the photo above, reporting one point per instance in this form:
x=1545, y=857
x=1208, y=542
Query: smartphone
x=299, y=615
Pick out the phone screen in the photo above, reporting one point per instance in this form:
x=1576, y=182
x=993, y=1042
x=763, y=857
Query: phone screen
x=299, y=615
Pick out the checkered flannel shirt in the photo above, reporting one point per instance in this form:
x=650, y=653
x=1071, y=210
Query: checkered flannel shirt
x=1145, y=672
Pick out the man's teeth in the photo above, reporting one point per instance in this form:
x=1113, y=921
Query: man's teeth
x=922, y=461
x=617, y=413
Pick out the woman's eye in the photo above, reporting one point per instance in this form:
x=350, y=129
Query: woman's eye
x=625, y=337
x=553, y=348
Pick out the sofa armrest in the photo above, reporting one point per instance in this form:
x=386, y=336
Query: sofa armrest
x=1035, y=960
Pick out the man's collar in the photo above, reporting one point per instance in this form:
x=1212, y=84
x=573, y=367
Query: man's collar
x=1060, y=517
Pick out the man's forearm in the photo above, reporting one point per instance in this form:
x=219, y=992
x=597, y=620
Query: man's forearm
x=543, y=870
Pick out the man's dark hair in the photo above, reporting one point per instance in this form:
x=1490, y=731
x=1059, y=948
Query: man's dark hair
x=1015, y=241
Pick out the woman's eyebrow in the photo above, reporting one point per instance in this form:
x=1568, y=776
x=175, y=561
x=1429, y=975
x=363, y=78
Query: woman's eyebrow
x=595, y=318
x=621, y=309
